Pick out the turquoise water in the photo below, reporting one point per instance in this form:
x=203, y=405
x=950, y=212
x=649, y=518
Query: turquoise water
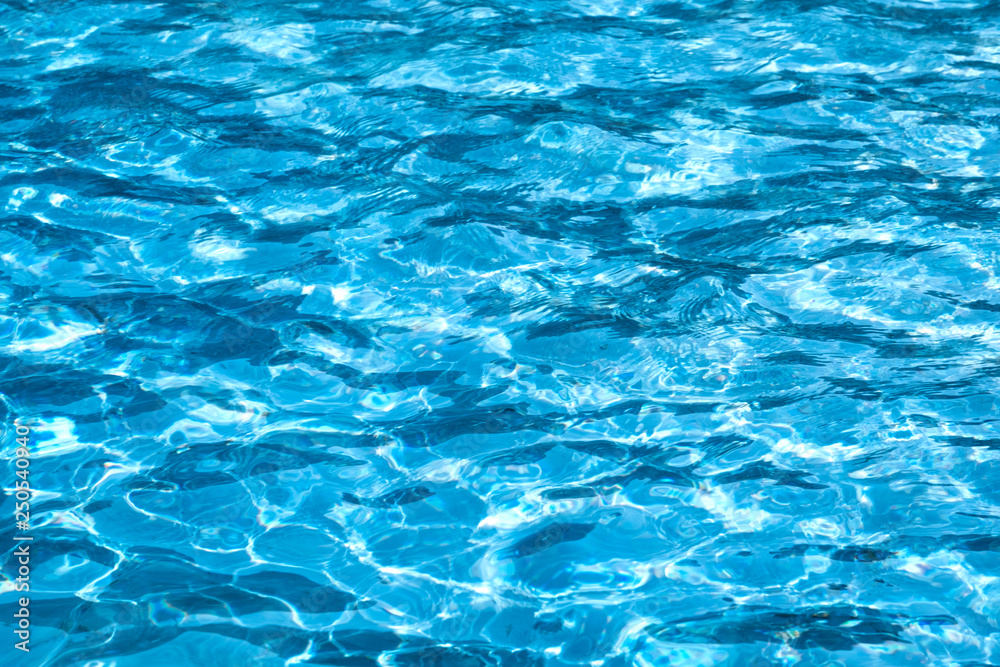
x=532, y=333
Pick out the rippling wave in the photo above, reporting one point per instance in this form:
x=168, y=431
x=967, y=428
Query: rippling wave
x=441, y=332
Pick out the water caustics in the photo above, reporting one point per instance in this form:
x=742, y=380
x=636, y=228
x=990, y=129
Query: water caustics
x=532, y=333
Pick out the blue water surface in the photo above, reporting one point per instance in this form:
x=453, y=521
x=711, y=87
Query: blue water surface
x=538, y=333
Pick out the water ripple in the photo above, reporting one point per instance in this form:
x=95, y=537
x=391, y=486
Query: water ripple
x=615, y=332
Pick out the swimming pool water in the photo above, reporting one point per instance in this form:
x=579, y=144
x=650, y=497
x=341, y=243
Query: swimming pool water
x=532, y=333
